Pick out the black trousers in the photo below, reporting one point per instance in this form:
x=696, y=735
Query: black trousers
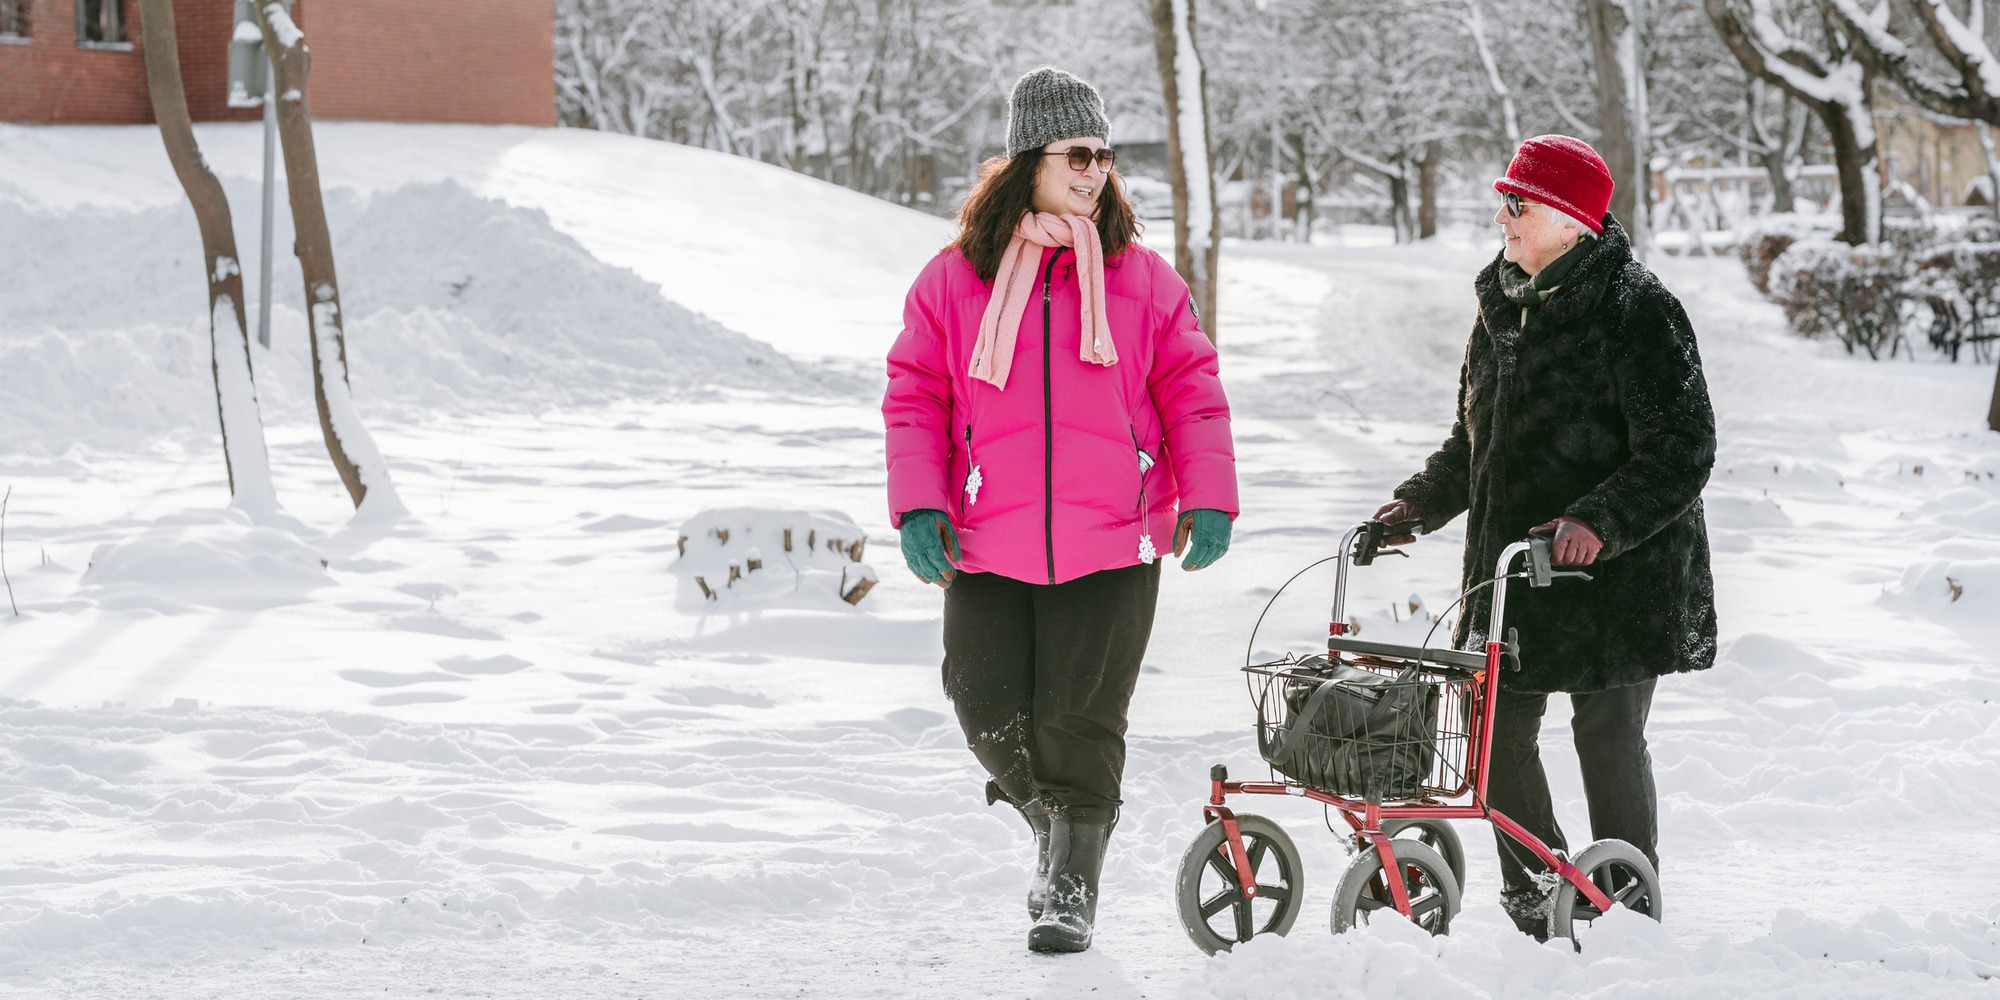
x=1610, y=731
x=1041, y=677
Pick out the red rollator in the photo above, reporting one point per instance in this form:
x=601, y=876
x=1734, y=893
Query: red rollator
x=1396, y=739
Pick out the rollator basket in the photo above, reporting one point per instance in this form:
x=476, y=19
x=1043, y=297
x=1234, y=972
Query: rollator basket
x=1378, y=723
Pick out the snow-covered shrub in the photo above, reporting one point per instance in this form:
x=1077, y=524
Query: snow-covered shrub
x=1760, y=252
x=738, y=558
x=1859, y=295
x=1937, y=279
x=1960, y=282
x=1913, y=234
x=1761, y=243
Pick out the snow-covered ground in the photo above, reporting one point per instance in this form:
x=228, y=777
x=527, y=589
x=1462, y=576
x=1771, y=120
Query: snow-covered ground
x=495, y=749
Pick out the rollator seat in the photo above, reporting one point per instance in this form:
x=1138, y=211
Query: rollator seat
x=1445, y=657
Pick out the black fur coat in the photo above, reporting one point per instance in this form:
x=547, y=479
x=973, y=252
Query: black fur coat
x=1595, y=408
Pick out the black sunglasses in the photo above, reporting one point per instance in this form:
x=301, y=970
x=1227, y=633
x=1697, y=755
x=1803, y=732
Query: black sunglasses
x=1080, y=157
x=1513, y=203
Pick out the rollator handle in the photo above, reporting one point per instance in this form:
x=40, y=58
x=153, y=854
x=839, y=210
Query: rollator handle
x=1368, y=542
x=1542, y=571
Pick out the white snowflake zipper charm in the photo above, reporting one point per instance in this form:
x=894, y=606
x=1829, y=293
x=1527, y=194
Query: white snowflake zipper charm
x=1147, y=554
x=972, y=483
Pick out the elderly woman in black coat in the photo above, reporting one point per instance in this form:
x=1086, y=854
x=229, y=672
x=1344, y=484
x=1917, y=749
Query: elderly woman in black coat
x=1582, y=415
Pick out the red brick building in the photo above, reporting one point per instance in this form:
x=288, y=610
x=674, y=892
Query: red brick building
x=488, y=62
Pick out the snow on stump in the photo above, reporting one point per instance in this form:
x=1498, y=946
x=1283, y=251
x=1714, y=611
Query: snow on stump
x=735, y=557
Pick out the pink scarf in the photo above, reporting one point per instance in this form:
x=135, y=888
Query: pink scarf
x=993, y=354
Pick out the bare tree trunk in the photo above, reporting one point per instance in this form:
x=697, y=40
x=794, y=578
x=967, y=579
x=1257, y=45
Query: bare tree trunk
x=1197, y=217
x=1304, y=198
x=1400, y=222
x=353, y=452
x=1427, y=192
x=1277, y=183
x=1854, y=163
x=1782, y=154
x=1993, y=408
x=1621, y=111
x=243, y=451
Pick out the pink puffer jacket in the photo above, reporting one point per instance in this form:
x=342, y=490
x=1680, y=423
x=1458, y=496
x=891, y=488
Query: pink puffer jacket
x=1074, y=467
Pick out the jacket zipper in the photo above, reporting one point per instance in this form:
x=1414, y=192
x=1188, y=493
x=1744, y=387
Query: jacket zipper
x=1048, y=424
x=971, y=469
x=1146, y=463
x=1147, y=553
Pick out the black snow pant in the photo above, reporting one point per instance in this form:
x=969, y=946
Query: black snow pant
x=1041, y=677
x=1610, y=731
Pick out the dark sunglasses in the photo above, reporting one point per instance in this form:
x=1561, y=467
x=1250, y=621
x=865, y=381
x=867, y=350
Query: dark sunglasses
x=1513, y=203
x=1080, y=157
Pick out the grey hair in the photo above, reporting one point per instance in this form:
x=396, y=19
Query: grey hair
x=1564, y=217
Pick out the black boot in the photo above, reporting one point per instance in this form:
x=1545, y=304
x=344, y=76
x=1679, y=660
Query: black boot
x=1038, y=889
x=1036, y=816
x=1529, y=907
x=1076, y=855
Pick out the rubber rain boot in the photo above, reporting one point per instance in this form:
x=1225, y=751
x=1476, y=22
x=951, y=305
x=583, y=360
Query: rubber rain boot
x=1076, y=857
x=1037, y=816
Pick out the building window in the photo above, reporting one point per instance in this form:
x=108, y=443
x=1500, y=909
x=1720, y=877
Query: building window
x=13, y=21
x=100, y=24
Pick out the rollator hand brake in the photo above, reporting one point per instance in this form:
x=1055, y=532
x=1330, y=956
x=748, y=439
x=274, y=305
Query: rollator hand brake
x=1373, y=540
x=1542, y=571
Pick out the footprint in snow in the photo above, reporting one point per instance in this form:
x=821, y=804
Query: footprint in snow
x=413, y=698
x=385, y=678
x=502, y=664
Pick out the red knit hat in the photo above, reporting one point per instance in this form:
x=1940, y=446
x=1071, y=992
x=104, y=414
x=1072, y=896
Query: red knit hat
x=1563, y=173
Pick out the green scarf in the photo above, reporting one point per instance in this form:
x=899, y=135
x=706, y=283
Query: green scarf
x=1523, y=290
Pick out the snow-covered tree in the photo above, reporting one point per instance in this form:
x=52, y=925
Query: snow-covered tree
x=1811, y=58
x=1197, y=219
x=348, y=442
x=890, y=97
x=1407, y=85
x=1475, y=27
x=1963, y=78
x=243, y=451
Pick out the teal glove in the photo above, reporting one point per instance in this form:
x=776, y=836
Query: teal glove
x=927, y=536
x=1208, y=531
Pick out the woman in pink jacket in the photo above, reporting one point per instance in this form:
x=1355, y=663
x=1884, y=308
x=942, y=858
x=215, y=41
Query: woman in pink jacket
x=1052, y=403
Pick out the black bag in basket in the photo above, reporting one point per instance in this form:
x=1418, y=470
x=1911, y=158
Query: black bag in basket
x=1354, y=732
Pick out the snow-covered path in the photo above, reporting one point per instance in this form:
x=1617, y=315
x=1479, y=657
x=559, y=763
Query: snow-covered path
x=492, y=750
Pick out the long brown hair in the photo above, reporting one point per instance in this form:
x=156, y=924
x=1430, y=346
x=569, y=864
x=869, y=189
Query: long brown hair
x=1006, y=191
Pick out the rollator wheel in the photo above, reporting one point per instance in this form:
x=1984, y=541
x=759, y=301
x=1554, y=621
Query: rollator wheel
x=1212, y=906
x=1624, y=874
x=1426, y=875
x=1437, y=835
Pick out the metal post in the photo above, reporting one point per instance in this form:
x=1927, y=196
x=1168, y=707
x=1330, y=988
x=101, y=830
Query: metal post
x=270, y=169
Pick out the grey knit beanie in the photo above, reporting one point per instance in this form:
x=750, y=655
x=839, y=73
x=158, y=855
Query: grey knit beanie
x=1050, y=105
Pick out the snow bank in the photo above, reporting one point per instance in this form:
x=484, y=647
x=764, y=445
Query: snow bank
x=810, y=267
x=1485, y=957
x=1957, y=582
x=452, y=300
x=206, y=558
